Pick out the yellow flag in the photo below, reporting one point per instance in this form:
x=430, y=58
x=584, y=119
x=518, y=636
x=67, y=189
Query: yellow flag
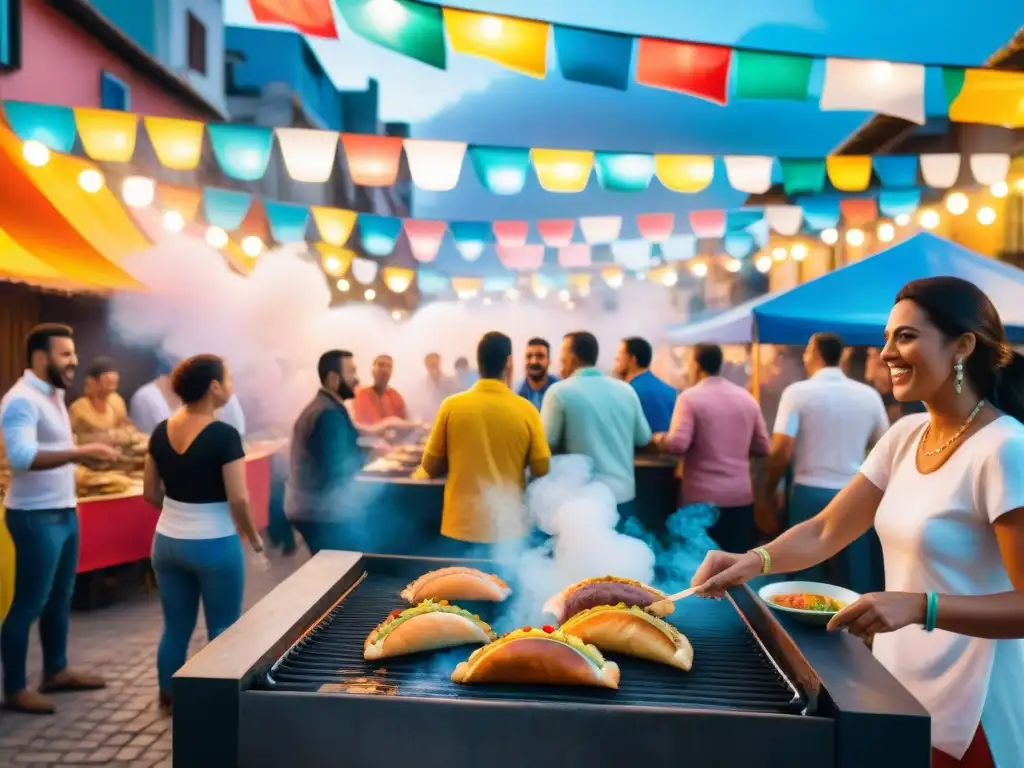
x=563, y=170
x=849, y=173
x=398, y=279
x=518, y=44
x=685, y=173
x=992, y=97
x=107, y=136
x=335, y=224
x=335, y=260
x=178, y=143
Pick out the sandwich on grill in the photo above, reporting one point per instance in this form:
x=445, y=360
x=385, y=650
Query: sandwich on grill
x=545, y=656
x=607, y=590
x=425, y=627
x=457, y=584
x=632, y=631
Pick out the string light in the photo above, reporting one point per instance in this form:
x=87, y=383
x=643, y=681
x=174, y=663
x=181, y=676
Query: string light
x=173, y=221
x=396, y=315
x=902, y=219
x=830, y=236
x=929, y=219
x=957, y=203
x=699, y=269
x=763, y=264
x=999, y=189
x=91, y=180
x=780, y=253
x=986, y=216
x=614, y=280
x=564, y=295
x=398, y=283
x=669, y=279
x=35, y=153
x=886, y=232
x=342, y=285
x=369, y=294
x=1019, y=185
x=855, y=237
x=799, y=252
x=540, y=291
x=138, y=191
x=733, y=265
x=216, y=237
x=332, y=265
x=252, y=246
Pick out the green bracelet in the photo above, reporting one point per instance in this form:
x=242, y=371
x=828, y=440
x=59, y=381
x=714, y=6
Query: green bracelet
x=932, y=612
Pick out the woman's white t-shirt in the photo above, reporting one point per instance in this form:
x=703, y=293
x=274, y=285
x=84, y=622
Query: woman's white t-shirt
x=937, y=536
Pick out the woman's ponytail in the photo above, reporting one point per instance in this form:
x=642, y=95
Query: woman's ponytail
x=1008, y=386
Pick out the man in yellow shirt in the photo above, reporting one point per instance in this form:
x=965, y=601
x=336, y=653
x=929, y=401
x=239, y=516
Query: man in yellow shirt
x=486, y=439
x=101, y=413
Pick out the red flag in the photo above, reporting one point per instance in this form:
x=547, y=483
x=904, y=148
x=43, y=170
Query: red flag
x=574, y=256
x=511, y=232
x=708, y=223
x=859, y=211
x=699, y=70
x=424, y=237
x=521, y=256
x=311, y=17
x=656, y=227
x=556, y=232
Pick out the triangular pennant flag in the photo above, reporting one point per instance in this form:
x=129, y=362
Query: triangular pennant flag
x=749, y=173
x=784, y=219
x=310, y=17
x=600, y=230
x=801, y=175
x=562, y=170
x=373, y=161
x=858, y=211
x=398, y=279
x=896, y=170
x=707, y=224
x=510, y=233
x=308, y=154
x=178, y=144
x=334, y=260
x=739, y=245
x=501, y=170
x=184, y=201
x=378, y=234
x=820, y=212
x=431, y=282
x=471, y=237
x=467, y=287
x=225, y=208
x=335, y=225
x=425, y=238
x=777, y=76
x=288, y=221
x=679, y=248
x=518, y=44
x=412, y=29
x=691, y=68
x=685, y=173
x=940, y=171
x=655, y=227
x=364, y=270
x=592, y=57
x=874, y=86
x=989, y=167
x=896, y=202
x=576, y=256
x=849, y=173
x=499, y=283
x=243, y=151
x=632, y=254
x=622, y=172
x=556, y=233
x=522, y=257
x=435, y=165
x=108, y=136
x=742, y=219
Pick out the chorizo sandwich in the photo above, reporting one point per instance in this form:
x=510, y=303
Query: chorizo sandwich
x=545, y=656
x=607, y=590
x=632, y=631
x=457, y=584
x=425, y=627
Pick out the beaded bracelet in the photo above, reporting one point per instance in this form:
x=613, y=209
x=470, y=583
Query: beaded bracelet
x=932, y=612
x=766, y=559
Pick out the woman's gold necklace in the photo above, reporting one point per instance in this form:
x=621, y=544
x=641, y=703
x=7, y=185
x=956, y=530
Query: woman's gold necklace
x=956, y=436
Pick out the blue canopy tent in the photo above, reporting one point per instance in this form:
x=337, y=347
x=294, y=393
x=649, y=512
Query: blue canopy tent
x=854, y=301
x=733, y=326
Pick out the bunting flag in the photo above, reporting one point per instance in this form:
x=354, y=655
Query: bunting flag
x=335, y=225
x=897, y=202
x=707, y=223
x=655, y=227
x=308, y=155
x=425, y=238
x=107, y=136
x=576, y=256
x=184, y=201
x=556, y=233
x=820, y=212
x=510, y=233
x=989, y=168
x=989, y=96
x=874, y=86
x=471, y=237
x=739, y=245
x=679, y=248
x=786, y=220
x=849, y=173
x=378, y=234
x=288, y=222
x=749, y=173
x=580, y=282
x=373, y=161
x=940, y=171
x=243, y=151
x=592, y=57
x=364, y=270
x=600, y=230
x=742, y=219
x=612, y=277
x=431, y=282
x=521, y=257
x=857, y=212
x=398, y=279
x=310, y=17
x=499, y=283
x=621, y=172
x=685, y=173
x=691, y=68
x=517, y=44
x=335, y=261
x=51, y=125
x=896, y=170
x=562, y=170
x=435, y=165
x=413, y=29
x=467, y=287
x=775, y=76
x=501, y=170
x=800, y=176
x=225, y=208
x=178, y=144
x=632, y=254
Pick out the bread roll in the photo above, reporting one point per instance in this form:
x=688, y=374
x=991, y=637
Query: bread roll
x=457, y=584
x=632, y=632
x=425, y=627
x=608, y=590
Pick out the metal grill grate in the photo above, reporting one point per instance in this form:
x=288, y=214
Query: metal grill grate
x=730, y=670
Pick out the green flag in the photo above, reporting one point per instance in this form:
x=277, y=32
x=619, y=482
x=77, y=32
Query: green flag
x=771, y=76
x=410, y=28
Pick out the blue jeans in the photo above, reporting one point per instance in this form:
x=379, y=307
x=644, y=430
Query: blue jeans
x=46, y=557
x=187, y=570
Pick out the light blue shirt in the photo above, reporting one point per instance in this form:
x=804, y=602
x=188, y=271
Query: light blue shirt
x=600, y=417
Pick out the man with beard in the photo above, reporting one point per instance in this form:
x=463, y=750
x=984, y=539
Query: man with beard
x=320, y=493
x=538, y=380
x=42, y=519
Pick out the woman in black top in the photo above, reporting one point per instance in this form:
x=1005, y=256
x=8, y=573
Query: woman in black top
x=195, y=475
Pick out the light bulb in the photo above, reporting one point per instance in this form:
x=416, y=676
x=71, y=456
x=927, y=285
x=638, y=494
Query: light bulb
x=669, y=279
x=798, y=252
x=490, y=28
x=779, y=253
x=342, y=285
x=35, y=153
x=332, y=265
x=173, y=221
x=986, y=215
x=733, y=265
x=886, y=232
x=91, y=180
x=216, y=237
x=700, y=269
x=396, y=315
x=902, y=219
x=465, y=295
x=999, y=189
x=512, y=293
x=855, y=237
x=1019, y=185
x=830, y=236
x=252, y=246
x=398, y=283
x=563, y=295
x=957, y=203
x=614, y=280
x=138, y=191
x=929, y=219
x=763, y=264
x=369, y=294
x=540, y=292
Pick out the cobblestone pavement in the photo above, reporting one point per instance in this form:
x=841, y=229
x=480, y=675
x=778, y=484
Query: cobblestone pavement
x=120, y=725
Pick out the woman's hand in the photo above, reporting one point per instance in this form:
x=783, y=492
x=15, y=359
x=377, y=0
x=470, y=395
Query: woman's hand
x=881, y=612
x=723, y=570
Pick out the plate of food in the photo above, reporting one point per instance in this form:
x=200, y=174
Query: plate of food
x=808, y=601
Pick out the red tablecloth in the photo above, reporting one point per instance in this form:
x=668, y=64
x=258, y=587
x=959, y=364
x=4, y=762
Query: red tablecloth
x=119, y=529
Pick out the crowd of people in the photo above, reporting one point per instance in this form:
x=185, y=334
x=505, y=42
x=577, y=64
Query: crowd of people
x=944, y=489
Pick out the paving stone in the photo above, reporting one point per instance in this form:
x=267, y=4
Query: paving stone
x=129, y=753
x=74, y=757
x=118, y=740
x=102, y=755
x=37, y=757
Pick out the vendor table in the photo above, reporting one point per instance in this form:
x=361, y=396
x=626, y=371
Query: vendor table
x=118, y=529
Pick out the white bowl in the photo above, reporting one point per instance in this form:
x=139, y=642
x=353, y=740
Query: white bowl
x=768, y=591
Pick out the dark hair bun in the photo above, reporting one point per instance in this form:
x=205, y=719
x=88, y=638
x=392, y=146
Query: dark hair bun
x=192, y=378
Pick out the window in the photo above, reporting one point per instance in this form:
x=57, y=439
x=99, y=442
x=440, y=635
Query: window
x=114, y=94
x=10, y=35
x=196, y=45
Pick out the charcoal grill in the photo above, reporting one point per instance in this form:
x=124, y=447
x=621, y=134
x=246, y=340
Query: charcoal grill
x=287, y=686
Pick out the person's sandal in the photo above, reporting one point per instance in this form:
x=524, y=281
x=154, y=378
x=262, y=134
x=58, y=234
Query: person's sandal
x=68, y=680
x=29, y=703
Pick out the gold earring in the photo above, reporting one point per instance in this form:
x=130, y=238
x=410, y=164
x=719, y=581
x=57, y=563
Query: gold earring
x=958, y=382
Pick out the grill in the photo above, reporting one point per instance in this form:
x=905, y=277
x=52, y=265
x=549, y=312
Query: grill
x=287, y=686
x=731, y=669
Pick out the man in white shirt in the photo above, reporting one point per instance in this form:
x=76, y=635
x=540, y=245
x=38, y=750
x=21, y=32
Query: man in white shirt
x=597, y=416
x=435, y=388
x=42, y=519
x=154, y=402
x=824, y=428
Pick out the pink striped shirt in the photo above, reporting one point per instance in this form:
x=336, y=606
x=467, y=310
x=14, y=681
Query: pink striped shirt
x=716, y=427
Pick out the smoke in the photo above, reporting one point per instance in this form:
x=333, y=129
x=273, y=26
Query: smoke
x=273, y=325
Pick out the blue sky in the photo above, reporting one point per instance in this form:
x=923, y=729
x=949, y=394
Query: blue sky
x=479, y=102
